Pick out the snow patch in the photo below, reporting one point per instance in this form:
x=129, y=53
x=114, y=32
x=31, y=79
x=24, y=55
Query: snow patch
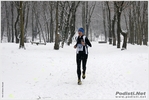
x=42, y=72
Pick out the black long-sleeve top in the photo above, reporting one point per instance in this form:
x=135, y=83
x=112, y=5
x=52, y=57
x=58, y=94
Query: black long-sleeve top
x=87, y=42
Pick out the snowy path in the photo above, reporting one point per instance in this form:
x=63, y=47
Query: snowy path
x=40, y=71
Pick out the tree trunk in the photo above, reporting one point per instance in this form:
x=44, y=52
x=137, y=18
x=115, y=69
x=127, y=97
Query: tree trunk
x=12, y=21
x=104, y=21
x=51, y=23
x=130, y=27
x=146, y=23
x=2, y=29
x=124, y=46
x=38, y=29
x=22, y=26
x=27, y=15
x=118, y=29
x=8, y=27
x=126, y=21
x=56, y=45
x=113, y=27
x=51, y=29
x=33, y=32
x=62, y=24
x=139, y=42
x=72, y=24
x=109, y=23
x=142, y=25
x=16, y=31
x=119, y=8
x=113, y=30
x=134, y=24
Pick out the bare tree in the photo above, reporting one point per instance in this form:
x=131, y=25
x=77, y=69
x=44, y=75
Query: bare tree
x=12, y=24
x=88, y=15
x=138, y=21
x=113, y=27
x=56, y=45
x=51, y=20
x=104, y=20
x=67, y=23
x=120, y=6
x=17, y=20
x=38, y=23
x=46, y=20
x=22, y=26
x=33, y=32
x=109, y=22
x=145, y=23
x=3, y=18
x=8, y=21
x=26, y=19
x=73, y=20
x=62, y=17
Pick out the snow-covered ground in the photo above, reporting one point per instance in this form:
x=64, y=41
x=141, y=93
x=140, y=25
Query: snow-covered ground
x=43, y=73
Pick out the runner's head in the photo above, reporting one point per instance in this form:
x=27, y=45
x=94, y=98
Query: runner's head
x=81, y=31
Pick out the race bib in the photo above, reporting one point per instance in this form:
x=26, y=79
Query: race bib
x=80, y=47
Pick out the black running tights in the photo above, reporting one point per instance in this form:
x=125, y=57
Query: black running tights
x=79, y=59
